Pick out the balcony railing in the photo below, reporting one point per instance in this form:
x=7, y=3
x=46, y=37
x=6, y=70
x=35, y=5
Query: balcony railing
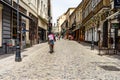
x=101, y=4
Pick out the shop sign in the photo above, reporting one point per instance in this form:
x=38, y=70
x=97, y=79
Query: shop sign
x=115, y=25
x=116, y=3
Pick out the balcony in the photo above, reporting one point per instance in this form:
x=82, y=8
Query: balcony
x=100, y=5
x=90, y=15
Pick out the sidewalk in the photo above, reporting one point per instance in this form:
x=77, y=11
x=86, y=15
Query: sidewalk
x=70, y=61
x=102, y=52
x=8, y=64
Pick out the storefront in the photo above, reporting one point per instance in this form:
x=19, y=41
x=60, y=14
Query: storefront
x=6, y=21
x=41, y=35
x=33, y=29
x=82, y=33
x=114, y=31
x=9, y=24
x=22, y=22
x=91, y=31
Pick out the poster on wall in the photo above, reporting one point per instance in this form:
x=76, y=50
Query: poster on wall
x=116, y=3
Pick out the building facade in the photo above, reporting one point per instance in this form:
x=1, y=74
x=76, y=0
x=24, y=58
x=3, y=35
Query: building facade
x=33, y=22
x=60, y=20
x=66, y=23
x=93, y=15
x=75, y=22
x=5, y=21
x=97, y=21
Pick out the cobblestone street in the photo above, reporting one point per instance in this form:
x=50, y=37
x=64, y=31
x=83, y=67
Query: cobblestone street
x=70, y=61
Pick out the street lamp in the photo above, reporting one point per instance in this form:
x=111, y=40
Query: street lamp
x=92, y=42
x=18, y=52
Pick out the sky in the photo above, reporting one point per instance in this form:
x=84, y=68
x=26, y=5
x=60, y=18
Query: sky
x=61, y=6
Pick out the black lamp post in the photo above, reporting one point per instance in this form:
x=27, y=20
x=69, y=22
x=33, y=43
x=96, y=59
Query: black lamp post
x=18, y=52
x=92, y=42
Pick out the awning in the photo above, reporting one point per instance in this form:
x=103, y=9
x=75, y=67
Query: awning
x=21, y=13
x=78, y=27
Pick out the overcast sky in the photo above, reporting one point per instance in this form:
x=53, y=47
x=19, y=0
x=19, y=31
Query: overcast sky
x=60, y=6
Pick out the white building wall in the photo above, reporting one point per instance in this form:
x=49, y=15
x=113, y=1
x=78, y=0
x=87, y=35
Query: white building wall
x=35, y=7
x=60, y=22
x=42, y=24
x=28, y=5
x=42, y=12
x=43, y=9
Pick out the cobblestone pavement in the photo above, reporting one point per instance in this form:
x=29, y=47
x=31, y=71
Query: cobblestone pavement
x=70, y=61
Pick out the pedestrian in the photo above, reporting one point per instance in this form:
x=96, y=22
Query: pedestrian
x=51, y=40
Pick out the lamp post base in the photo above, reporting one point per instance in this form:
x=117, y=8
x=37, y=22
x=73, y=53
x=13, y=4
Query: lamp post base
x=92, y=46
x=18, y=59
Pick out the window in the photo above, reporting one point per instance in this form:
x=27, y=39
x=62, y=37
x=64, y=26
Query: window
x=41, y=6
x=35, y=2
x=8, y=1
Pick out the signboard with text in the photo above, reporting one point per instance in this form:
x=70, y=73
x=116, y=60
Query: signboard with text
x=116, y=3
x=115, y=25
